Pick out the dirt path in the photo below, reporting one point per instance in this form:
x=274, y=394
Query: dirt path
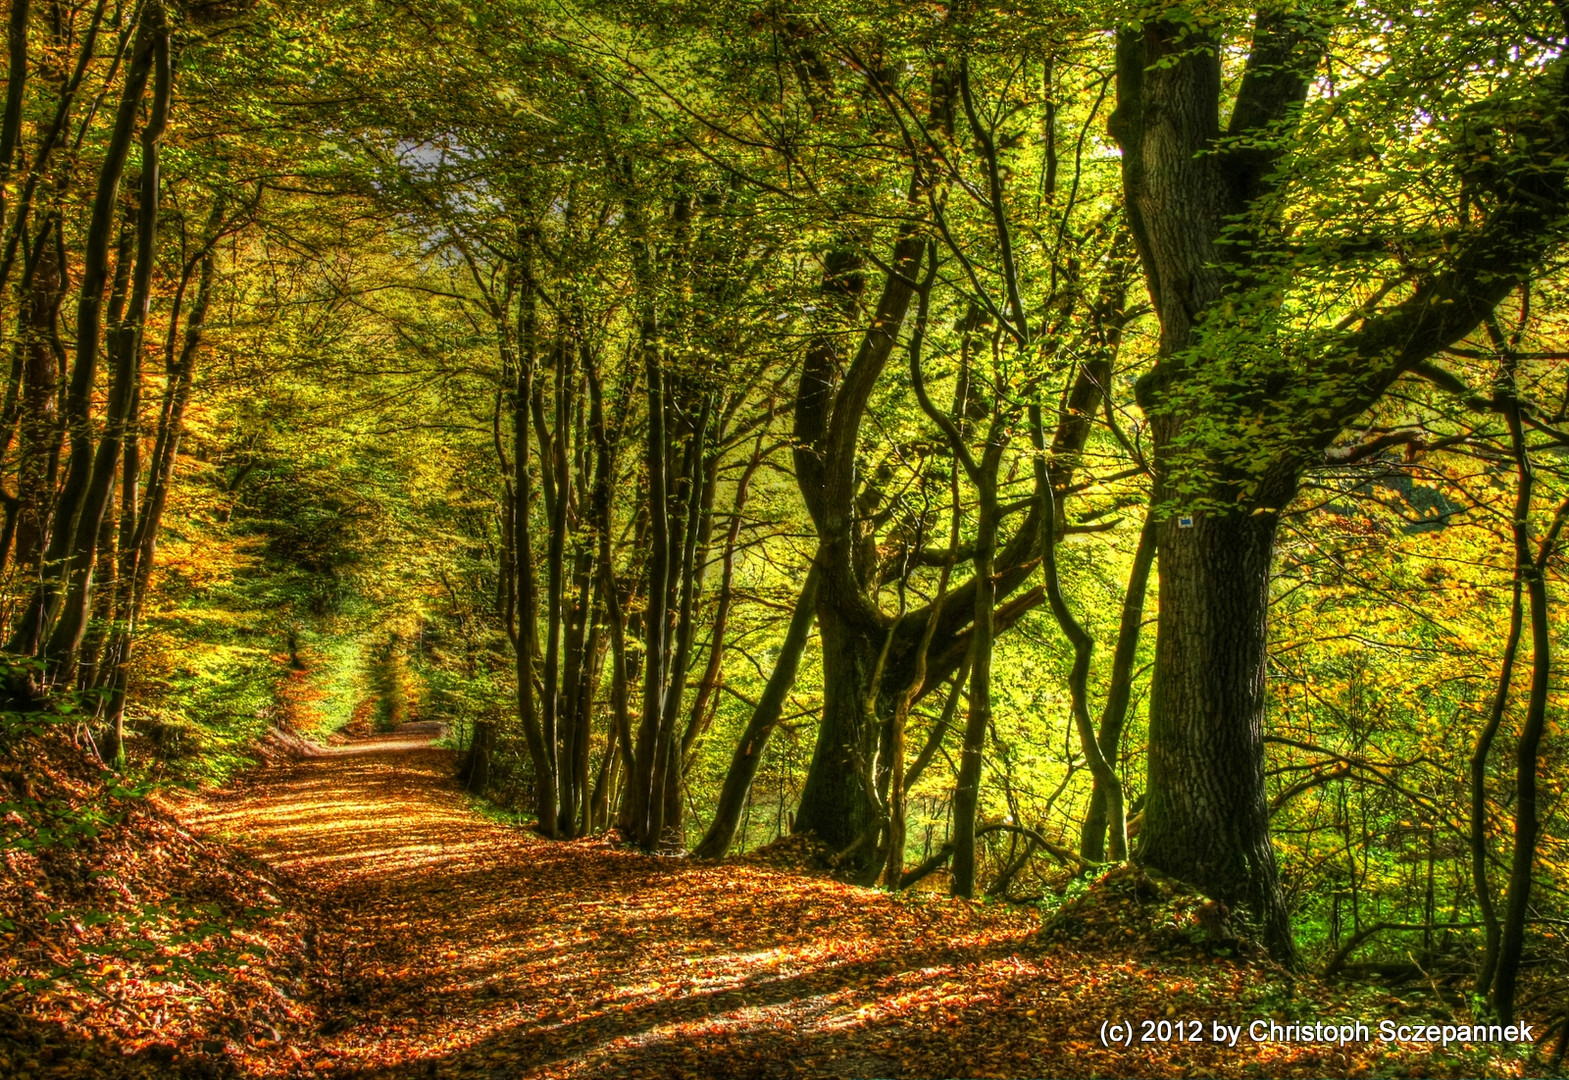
x=469, y=948
x=464, y=947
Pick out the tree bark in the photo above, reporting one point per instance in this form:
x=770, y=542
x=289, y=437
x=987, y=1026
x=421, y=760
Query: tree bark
x=39, y=435
x=1517, y=898
x=1206, y=817
x=966, y=792
x=834, y=803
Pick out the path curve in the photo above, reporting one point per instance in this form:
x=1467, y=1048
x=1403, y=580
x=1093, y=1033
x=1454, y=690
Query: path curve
x=461, y=946
x=453, y=945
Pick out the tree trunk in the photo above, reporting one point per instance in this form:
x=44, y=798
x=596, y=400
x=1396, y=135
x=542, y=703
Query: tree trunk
x=1092, y=838
x=967, y=788
x=1480, y=849
x=1517, y=899
x=835, y=805
x=33, y=627
x=1206, y=818
x=125, y=356
x=748, y=756
x=37, y=447
x=523, y=572
x=647, y=791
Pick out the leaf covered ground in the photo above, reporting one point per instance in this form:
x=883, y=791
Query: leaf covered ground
x=379, y=927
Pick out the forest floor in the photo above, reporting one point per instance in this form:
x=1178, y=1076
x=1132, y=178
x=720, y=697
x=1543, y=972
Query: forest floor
x=387, y=929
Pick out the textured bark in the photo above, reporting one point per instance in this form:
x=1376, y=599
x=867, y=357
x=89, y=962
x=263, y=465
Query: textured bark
x=1206, y=817
x=835, y=804
x=39, y=434
x=1183, y=184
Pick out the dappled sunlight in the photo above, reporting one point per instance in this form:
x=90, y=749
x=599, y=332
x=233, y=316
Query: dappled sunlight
x=465, y=943
x=455, y=946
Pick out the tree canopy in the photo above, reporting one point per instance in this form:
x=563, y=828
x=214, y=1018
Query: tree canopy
x=992, y=441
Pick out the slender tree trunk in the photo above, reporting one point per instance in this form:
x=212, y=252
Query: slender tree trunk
x=648, y=808
x=748, y=756
x=137, y=571
x=703, y=703
x=40, y=418
x=1517, y=899
x=696, y=514
x=16, y=86
x=541, y=754
x=1525, y=482
x=1092, y=838
x=967, y=788
x=1104, y=770
x=555, y=485
x=17, y=221
x=125, y=354
x=606, y=446
x=893, y=867
x=150, y=49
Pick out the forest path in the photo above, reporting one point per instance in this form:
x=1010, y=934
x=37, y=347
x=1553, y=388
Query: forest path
x=460, y=946
x=456, y=946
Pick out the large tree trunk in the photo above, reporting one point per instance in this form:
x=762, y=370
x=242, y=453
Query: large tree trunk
x=1206, y=816
x=835, y=805
x=1232, y=439
x=1206, y=819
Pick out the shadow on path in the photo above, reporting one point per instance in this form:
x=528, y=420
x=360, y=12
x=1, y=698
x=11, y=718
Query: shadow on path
x=457, y=946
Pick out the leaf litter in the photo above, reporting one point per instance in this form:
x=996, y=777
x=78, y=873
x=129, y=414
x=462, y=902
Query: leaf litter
x=350, y=915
